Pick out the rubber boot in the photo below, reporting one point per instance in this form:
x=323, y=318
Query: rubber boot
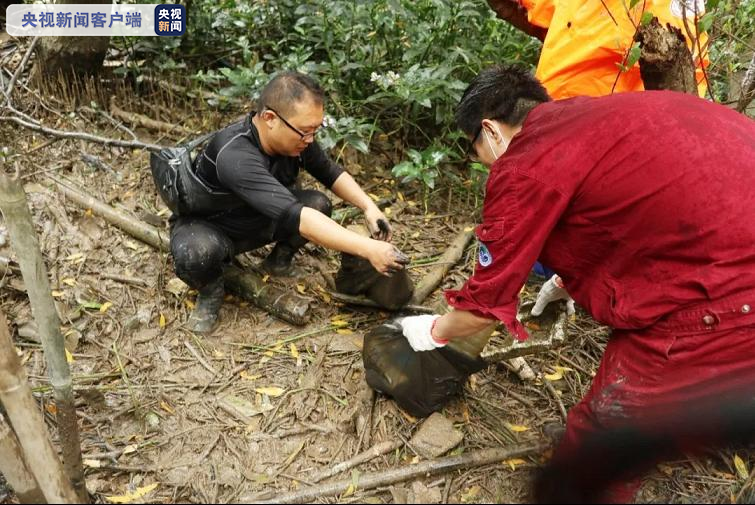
x=204, y=317
x=280, y=261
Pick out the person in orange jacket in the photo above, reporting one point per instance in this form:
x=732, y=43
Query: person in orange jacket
x=586, y=41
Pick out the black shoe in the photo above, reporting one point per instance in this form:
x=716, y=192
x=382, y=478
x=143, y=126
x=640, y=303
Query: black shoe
x=280, y=261
x=204, y=317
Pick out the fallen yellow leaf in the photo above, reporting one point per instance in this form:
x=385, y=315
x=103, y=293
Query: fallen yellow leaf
x=294, y=351
x=105, y=306
x=189, y=304
x=300, y=288
x=344, y=331
x=92, y=463
x=167, y=408
x=57, y=294
x=349, y=491
x=339, y=323
x=69, y=356
x=557, y=376
x=129, y=497
x=75, y=257
x=741, y=467
x=514, y=462
x=518, y=428
x=273, y=391
x=69, y=281
x=247, y=376
x=265, y=278
x=162, y=320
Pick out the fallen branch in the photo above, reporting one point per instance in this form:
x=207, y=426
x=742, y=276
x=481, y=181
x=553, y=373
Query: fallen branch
x=29, y=425
x=245, y=284
x=404, y=473
x=25, y=243
x=14, y=469
x=146, y=122
x=368, y=455
x=82, y=136
x=450, y=257
x=366, y=302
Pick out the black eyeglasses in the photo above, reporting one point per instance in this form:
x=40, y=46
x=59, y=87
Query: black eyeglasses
x=471, y=152
x=302, y=135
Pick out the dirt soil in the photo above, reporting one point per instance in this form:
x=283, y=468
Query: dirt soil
x=260, y=406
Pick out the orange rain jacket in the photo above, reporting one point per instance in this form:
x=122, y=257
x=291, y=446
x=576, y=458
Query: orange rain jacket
x=588, y=39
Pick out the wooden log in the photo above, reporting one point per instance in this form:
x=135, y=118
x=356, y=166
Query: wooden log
x=434, y=277
x=25, y=244
x=14, y=469
x=245, y=284
x=29, y=425
x=392, y=476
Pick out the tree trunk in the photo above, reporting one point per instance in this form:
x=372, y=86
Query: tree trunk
x=14, y=469
x=25, y=244
x=29, y=424
x=71, y=56
x=666, y=62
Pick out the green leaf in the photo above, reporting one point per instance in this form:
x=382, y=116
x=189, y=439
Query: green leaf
x=705, y=23
x=634, y=55
x=633, y=3
x=647, y=17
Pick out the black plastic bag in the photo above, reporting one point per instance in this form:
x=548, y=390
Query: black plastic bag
x=420, y=382
x=357, y=276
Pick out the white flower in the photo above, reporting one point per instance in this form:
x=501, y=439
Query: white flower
x=329, y=121
x=374, y=77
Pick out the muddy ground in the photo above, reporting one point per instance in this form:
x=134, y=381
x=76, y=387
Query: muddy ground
x=154, y=398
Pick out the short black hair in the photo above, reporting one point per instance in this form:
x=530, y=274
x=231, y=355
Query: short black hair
x=504, y=92
x=287, y=89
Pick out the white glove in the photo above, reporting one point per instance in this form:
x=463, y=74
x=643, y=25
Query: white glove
x=552, y=291
x=417, y=330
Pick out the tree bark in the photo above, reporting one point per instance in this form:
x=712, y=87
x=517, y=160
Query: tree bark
x=71, y=55
x=29, y=424
x=14, y=469
x=24, y=242
x=666, y=62
x=449, y=258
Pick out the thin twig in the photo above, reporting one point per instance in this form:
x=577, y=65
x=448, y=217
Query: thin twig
x=200, y=358
x=20, y=68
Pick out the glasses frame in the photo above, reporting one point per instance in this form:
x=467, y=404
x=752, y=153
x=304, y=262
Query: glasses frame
x=302, y=135
x=471, y=151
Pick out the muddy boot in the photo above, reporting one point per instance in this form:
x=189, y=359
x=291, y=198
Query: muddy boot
x=280, y=261
x=204, y=317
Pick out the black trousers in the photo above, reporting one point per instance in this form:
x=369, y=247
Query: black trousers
x=201, y=246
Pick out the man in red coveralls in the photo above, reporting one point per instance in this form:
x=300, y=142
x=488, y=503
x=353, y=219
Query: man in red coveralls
x=643, y=202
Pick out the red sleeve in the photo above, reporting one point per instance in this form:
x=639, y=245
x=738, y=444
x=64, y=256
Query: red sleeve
x=518, y=216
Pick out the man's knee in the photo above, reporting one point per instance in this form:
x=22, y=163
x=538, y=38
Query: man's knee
x=318, y=201
x=199, y=258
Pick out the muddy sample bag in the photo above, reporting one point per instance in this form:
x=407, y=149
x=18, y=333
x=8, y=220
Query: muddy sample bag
x=420, y=382
x=358, y=277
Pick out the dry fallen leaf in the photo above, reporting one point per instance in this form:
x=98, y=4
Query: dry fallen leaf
x=105, y=306
x=514, y=462
x=247, y=376
x=130, y=497
x=557, y=376
x=741, y=467
x=294, y=351
x=344, y=331
x=162, y=320
x=470, y=494
x=271, y=391
x=69, y=356
x=518, y=428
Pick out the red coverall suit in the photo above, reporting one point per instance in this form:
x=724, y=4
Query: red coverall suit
x=645, y=205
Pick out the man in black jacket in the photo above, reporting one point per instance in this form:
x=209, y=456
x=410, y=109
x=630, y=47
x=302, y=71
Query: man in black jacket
x=242, y=196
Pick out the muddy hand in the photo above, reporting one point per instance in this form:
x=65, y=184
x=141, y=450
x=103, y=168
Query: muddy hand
x=386, y=258
x=377, y=223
